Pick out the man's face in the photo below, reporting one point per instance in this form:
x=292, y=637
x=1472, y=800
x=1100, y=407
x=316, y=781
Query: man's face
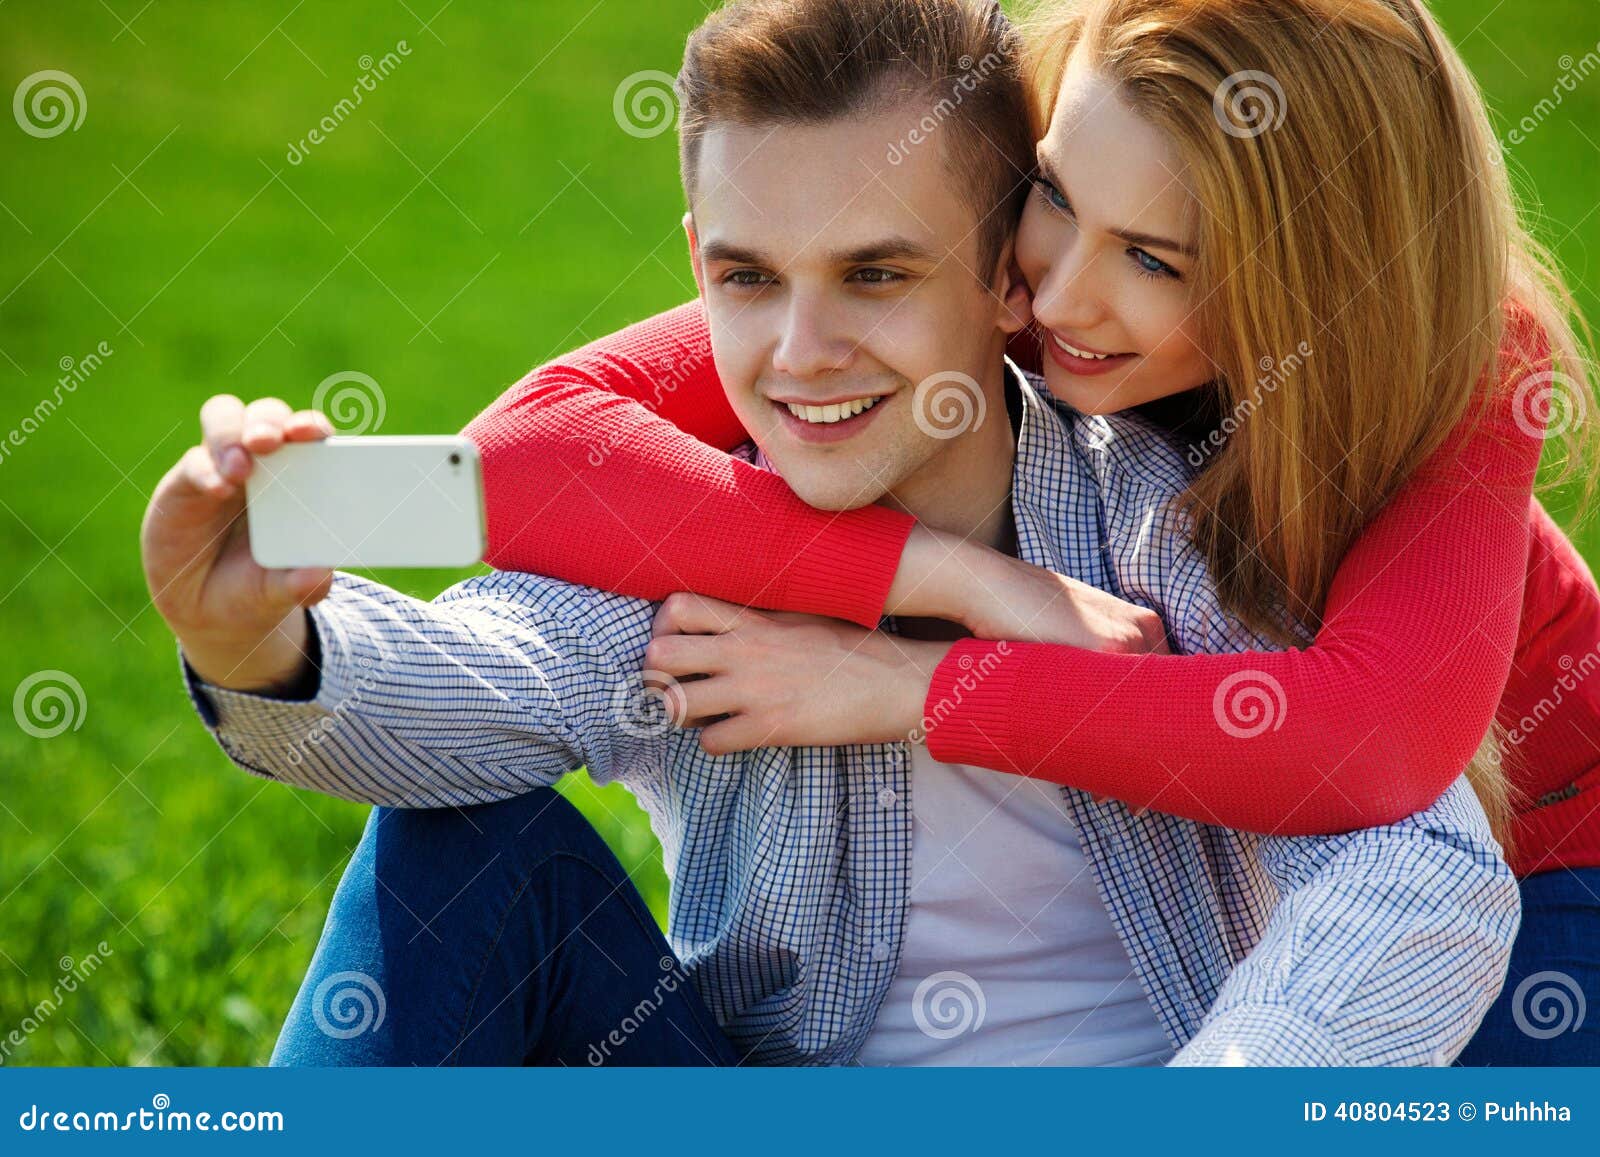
x=834, y=283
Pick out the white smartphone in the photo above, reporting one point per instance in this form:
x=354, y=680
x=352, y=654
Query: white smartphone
x=368, y=502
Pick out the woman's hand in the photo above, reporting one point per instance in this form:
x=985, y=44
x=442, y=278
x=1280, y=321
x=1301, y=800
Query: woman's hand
x=996, y=596
x=756, y=678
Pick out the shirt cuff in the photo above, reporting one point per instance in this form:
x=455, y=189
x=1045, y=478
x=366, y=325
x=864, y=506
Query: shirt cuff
x=261, y=733
x=1261, y=1035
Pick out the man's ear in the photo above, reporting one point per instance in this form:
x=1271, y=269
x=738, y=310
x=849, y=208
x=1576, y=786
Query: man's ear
x=694, y=253
x=1015, y=299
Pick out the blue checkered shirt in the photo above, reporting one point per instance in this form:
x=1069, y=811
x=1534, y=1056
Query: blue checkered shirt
x=790, y=867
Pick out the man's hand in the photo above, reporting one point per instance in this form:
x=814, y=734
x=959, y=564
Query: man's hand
x=241, y=626
x=996, y=596
x=785, y=680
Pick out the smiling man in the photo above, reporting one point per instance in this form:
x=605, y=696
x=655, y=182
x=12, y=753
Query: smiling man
x=827, y=904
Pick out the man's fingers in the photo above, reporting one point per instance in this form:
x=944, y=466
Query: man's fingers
x=307, y=426
x=299, y=586
x=197, y=475
x=691, y=614
x=264, y=422
x=221, y=425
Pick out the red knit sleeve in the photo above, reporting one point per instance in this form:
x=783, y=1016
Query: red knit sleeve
x=1375, y=718
x=609, y=467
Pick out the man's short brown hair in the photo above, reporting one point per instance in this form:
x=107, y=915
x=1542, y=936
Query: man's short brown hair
x=762, y=62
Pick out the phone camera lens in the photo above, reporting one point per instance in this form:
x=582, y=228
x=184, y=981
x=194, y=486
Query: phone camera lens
x=455, y=459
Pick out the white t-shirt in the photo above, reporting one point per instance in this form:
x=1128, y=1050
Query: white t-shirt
x=1010, y=957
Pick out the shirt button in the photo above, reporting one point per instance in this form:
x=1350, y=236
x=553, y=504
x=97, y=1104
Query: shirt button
x=887, y=796
x=880, y=950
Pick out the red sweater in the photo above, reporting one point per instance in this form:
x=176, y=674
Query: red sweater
x=1461, y=602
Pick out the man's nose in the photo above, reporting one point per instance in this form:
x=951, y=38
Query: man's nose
x=815, y=339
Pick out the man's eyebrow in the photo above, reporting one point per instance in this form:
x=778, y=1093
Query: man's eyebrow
x=731, y=253
x=882, y=249
x=1131, y=236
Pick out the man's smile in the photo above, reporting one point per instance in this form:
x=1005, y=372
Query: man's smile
x=830, y=421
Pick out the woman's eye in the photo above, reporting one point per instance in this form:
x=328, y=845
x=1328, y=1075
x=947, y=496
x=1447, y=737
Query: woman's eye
x=1151, y=266
x=1052, y=194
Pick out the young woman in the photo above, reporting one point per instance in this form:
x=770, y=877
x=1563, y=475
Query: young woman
x=1221, y=183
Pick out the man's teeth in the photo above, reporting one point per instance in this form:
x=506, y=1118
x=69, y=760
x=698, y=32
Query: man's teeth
x=1078, y=353
x=834, y=413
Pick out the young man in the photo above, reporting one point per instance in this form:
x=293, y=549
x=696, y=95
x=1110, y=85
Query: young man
x=815, y=917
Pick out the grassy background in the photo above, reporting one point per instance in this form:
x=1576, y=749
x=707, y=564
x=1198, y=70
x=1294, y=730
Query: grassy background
x=478, y=213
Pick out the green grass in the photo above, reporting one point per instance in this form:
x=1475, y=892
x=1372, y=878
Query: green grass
x=171, y=227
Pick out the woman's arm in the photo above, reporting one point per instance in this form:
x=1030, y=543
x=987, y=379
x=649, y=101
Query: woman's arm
x=608, y=467
x=1369, y=723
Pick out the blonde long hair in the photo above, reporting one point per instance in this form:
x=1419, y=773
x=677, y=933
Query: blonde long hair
x=1354, y=202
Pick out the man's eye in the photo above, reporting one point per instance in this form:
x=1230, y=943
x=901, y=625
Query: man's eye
x=745, y=277
x=878, y=276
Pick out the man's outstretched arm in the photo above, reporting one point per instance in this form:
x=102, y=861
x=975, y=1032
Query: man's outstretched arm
x=502, y=684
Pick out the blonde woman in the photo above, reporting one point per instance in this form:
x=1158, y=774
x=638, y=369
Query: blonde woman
x=1283, y=230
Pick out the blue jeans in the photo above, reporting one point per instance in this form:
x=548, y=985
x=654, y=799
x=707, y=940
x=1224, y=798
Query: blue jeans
x=506, y=934
x=1555, y=1017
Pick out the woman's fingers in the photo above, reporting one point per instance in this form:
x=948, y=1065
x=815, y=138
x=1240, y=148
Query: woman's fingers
x=736, y=733
x=692, y=614
x=684, y=655
x=699, y=702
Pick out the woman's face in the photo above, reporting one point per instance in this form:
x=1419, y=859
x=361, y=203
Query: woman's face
x=1107, y=245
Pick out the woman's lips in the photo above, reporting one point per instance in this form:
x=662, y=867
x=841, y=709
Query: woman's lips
x=1082, y=366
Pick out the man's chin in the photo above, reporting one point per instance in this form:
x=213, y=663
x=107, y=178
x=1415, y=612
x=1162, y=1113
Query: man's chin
x=836, y=501
x=832, y=492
